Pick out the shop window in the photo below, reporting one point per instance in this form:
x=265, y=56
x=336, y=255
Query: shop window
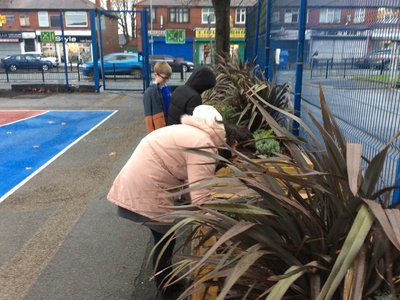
x=76, y=19
x=153, y=14
x=179, y=15
x=24, y=19
x=291, y=15
x=55, y=21
x=10, y=19
x=240, y=16
x=43, y=18
x=207, y=14
x=329, y=15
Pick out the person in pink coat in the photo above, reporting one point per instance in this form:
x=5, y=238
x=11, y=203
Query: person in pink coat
x=159, y=163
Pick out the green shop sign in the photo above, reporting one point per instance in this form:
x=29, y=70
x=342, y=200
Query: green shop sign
x=47, y=36
x=174, y=36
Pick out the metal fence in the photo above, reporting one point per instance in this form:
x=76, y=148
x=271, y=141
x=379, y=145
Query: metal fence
x=350, y=48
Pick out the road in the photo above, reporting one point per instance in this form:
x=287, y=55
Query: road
x=60, y=237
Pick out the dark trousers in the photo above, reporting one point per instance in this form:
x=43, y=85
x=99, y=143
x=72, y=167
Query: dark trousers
x=165, y=262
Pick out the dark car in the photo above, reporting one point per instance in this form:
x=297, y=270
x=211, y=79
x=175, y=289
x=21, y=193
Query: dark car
x=375, y=60
x=25, y=61
x=118, y=63
x=176, y=64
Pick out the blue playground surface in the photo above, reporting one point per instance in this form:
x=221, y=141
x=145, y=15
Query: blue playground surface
x=29, y=145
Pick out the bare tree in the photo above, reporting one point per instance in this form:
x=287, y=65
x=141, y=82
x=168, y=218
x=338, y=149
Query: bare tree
x=126, y=20
x=222, y=26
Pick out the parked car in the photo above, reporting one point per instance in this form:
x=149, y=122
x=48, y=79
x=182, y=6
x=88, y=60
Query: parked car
x=41, y=56
x=375, y=60
x=25, y=61
x=175, y=63
x=118, y=63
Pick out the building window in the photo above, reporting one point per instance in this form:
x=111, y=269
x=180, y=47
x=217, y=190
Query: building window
x=291, y=15
x=103, y=22
x=179, y=15
x=76, y=19
x=240, y=16
x=275, y=18
x=207, y=13
x=55, y=21
x=329, y=15
x=153, y=15
x=43, y=18
x=388, y=15
x=24, y=19
x=10, y=19
x=359, y=15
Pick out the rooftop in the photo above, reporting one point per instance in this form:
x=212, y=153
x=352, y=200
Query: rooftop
x=46, y=4
x=193, y=3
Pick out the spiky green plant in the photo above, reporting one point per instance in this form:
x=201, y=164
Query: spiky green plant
x=265, y=142
x=321, y=233
x=234, y=81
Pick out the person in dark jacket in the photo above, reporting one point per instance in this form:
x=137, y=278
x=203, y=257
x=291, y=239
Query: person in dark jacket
x=186, y=97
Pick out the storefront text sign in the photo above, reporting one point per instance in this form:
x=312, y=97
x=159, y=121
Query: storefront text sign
x=10, y=36
x=236, y=33
x=69, y=39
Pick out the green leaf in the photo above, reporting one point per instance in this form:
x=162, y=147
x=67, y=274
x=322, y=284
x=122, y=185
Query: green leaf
x=279, y=289
x=249, y=258
x=354, y=240
x=238, y=208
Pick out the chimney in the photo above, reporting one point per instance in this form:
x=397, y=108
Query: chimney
x=109, y=6
x=98, y=5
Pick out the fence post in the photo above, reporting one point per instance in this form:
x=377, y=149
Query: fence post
x=396, y=192
x=182, y=72
x=78, y=67
x=95, y=49
x=327, y=68
x=299, y=64
x=115, y=75
x=65, y=51
x=344, y=69
x=8, y=79
x=42, y=75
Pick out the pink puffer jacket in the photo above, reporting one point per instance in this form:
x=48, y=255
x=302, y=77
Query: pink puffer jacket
x=159, y=162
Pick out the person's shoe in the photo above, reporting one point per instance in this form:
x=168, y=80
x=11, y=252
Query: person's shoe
x=173, y=291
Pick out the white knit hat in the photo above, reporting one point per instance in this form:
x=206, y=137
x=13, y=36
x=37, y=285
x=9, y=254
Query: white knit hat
x=209, y=114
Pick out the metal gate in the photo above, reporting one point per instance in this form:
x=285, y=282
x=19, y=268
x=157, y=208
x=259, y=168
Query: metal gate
x=119, y=69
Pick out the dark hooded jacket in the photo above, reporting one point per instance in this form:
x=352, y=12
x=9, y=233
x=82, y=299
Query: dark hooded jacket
x=186, y=97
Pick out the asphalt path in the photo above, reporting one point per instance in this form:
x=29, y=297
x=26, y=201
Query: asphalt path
x=60, y=237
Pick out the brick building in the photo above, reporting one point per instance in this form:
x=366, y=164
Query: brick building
x=25, y=23
x=337, y=29
x=187, y=30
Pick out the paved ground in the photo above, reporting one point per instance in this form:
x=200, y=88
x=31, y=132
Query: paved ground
x=60, y=238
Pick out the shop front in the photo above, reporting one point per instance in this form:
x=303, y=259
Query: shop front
x=171, y=42
x=10, y=43
x=205, y=44
x=78, y=45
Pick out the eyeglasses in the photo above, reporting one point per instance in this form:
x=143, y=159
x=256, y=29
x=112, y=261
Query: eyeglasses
x=163, y=77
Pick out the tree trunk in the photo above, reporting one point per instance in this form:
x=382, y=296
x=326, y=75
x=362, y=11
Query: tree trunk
x=222, y=26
